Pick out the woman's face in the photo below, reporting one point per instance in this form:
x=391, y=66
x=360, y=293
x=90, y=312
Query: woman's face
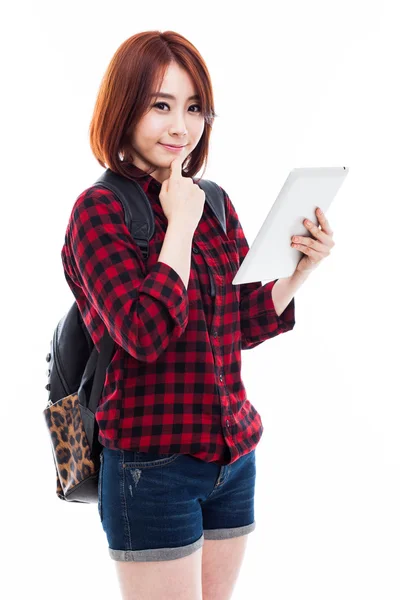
x=177, y=121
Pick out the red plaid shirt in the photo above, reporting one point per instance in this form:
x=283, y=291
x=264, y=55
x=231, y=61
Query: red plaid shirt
x=174, y=382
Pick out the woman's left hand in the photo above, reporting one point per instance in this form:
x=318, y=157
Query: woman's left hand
x=315, y=249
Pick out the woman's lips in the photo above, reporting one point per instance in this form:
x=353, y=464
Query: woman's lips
x=172, y=148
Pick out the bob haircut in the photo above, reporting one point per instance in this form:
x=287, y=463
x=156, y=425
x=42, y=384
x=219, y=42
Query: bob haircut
x=135, y=72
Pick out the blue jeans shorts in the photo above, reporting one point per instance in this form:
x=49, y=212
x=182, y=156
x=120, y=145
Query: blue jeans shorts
x=156, y=507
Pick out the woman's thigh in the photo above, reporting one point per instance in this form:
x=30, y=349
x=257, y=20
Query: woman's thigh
x=177, y=579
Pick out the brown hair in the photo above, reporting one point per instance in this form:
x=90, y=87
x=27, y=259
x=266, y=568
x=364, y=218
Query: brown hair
x=136, y=71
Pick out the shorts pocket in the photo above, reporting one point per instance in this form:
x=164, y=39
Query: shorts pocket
x=147, y=459
x=100, y=488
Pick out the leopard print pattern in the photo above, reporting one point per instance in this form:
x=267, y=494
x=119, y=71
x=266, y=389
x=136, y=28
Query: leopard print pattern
x=71, y=450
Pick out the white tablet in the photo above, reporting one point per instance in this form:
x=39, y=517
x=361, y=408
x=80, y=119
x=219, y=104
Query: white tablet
x=271, y=256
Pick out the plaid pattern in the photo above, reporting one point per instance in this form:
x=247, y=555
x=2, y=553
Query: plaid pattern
x=174, y=382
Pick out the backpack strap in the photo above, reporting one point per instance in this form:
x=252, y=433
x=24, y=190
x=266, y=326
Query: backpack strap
x=215, y=199
x=139, y=216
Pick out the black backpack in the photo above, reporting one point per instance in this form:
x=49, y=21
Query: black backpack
x=75, y=366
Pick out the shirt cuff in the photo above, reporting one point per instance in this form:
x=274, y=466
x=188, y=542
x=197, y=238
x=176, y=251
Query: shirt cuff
x=286, y=320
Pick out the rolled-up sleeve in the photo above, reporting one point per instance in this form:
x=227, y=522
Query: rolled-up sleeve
x=143, y=312
x=259, y=320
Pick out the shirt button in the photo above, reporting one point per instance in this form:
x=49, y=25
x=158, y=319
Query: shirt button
x=195, y=250
x=220, y=377
x=215, y=333
x=227, y=423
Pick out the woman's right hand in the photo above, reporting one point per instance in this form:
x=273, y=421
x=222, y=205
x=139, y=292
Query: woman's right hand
x=181, y=199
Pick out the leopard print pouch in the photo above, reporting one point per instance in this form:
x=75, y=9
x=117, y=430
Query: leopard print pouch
x=77, y=471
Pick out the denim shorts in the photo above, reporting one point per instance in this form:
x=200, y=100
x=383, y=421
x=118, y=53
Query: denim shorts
x=156, y=507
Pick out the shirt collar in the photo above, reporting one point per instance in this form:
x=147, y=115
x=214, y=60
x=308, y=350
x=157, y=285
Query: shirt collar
x=138, y=173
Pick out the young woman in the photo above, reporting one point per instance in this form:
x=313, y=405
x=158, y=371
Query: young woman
x=177, y=477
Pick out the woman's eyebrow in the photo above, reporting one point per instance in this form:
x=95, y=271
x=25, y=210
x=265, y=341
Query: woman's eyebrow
x=164, y=95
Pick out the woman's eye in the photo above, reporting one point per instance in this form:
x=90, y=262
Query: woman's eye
x=158, y=104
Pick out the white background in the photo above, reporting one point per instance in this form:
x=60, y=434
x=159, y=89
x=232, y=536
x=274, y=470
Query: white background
x=296, y=84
